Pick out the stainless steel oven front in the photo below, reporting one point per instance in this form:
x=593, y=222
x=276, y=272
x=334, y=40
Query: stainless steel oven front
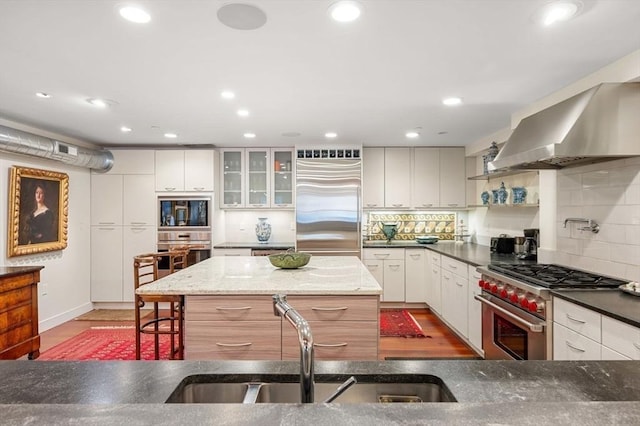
x=511, y=333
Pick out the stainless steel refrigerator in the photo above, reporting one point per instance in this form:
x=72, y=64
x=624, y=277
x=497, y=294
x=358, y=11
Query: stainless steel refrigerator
x=328, y=206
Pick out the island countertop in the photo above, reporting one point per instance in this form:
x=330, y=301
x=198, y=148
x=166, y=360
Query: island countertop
x=229, y=275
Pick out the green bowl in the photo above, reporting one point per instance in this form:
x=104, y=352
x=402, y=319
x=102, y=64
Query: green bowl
x=290, y=260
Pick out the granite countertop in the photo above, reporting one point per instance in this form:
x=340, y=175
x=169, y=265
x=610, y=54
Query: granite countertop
x=612, y=303
x=227, y=275
x=134, y=392
x=473, y=254
x=256, y=246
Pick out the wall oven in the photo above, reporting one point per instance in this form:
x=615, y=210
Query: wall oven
x=184, y=222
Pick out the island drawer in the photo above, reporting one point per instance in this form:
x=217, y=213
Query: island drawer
x=229, y=308
x=334, y=308
x=229, y=340
x=354, y=340
x=383, y=254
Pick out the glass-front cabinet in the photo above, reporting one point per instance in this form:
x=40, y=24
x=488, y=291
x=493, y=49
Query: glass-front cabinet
x=232, y=178
x=257, y=178
x=258, y=187
x=282, y=183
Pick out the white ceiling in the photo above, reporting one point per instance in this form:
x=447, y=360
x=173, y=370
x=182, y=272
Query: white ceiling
x=370, y=81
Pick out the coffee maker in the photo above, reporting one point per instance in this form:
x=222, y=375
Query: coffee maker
x=531, y=242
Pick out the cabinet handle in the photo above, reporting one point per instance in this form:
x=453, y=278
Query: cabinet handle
x=452, y=266
x=257, y=205
x=372, y=266
x=372, y=205
x=137, y=228
x=138, y=223
x=106, y=229
x=575, y=319
x=427, y=205
x=397, y=205
x=339, y=308
x=415, y=256
x=435, y=271
x=573, y=347
x=452, y=204
x=381, y=256
x=459, y=285
x=198, y=188
x=330, y=345
x=394, y=267
x=233, y=345
x=170, y=189
x=239, y=308
x=445, y=277
x=106, y=223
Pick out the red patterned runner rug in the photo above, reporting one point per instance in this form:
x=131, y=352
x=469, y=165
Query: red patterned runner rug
x=105, y=344
x=399, y=323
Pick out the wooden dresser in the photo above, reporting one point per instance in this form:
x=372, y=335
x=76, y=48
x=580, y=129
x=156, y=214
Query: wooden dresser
x=19, y=312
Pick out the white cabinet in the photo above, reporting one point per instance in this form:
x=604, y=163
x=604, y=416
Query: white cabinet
x=231, y=252
x=257, y=178
x=397, y=177
x=373, y=177
x=453, y=183
x=184, y=170
x=620, y=338
x=232, y=178
x=474, y=323
x=434, y=289
x=136, y=240
x=282, y=178
x=454, y=294
x=106, y=263
x=415, y=268
x=426, y=177
x=106, y=199
x=131, y=162
x=569, y=345
x=387, y=266
x=139, y=201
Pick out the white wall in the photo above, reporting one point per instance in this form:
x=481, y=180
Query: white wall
x=609, y=193
x=63, y=292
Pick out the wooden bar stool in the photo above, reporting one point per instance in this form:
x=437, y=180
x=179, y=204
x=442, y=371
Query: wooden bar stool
x=145, y=270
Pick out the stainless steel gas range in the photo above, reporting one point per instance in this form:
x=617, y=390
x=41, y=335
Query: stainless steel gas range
x=517, y=315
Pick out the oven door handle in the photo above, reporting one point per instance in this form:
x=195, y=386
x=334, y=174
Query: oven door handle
x=536, y=328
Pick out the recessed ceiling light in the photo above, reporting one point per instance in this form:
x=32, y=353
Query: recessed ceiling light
x=556, y=11
x=412, y=135
x=43, y=95
x=170, y=135
x=330, y=135
x=125, y=129
x=135, y=14
x=345, y=11
x=100, y=103
x=243, y=112
x=227, y=94
x=452, y=101
x=249, y=135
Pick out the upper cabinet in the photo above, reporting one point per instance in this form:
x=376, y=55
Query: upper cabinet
x=418, y=178
x=131, y=162
x=184, y=170
x=373, y=177
x=397, y=177
x=257, y=178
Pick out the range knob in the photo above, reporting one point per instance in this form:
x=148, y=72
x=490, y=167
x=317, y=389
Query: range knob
x=514, y=296
x=524, y=301
x=493, y=287
x=536, y=305
x=487, y=285
x=481, y=283
x=504, y=292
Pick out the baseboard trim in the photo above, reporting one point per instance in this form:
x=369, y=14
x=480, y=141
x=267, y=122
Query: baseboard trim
x=59, y=319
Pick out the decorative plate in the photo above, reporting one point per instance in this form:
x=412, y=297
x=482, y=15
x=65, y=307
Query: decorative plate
x=631, y=288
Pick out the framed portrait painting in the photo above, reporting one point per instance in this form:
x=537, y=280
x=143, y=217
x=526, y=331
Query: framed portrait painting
x=38, y=209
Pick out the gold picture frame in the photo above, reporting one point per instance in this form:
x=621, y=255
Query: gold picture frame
x=38, y=211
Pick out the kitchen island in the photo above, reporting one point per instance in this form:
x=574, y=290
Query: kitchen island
x=229, y=308
x=498, y=392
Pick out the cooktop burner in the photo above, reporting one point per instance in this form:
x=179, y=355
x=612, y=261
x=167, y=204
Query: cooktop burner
x=555, y=276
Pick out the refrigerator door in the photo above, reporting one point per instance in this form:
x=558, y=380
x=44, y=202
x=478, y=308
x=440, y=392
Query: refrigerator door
x=328, y=206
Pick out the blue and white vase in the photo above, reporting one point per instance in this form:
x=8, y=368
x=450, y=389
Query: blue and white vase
x=485, y=197
x=502, y=194
x=263, y=230
x=519, y=194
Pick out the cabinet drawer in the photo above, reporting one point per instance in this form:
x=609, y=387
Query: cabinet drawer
x=434, y=259
x=15, y=317
x=455, y=266
x=12, y=298
x=16, y=335
x=229, y=308
x=577, y=318
x=232, y=340
x=571, y=346
x=621, y=337
x=334, y=340
x=334, y=308
x=384, y=254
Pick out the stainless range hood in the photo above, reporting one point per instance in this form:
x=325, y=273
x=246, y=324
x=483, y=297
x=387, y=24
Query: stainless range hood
x=599, y=124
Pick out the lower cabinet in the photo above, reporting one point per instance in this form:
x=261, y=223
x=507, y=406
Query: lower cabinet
x=582, y=334
x=232, y=252
x=454, y=294
x=434, y=288
x=415, y=275
x=245, y=327
x=388, y=267
x=474, y=322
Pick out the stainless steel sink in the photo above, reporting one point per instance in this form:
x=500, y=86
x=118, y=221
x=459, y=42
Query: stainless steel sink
x=369, y=389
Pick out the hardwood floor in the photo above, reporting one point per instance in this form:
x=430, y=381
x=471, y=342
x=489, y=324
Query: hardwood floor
x=440, y=343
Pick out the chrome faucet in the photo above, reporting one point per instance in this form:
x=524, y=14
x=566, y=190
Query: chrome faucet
x=591, y=224
x=281, y=308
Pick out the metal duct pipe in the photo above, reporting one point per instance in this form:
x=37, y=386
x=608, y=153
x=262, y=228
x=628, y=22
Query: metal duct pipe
x=17, y=141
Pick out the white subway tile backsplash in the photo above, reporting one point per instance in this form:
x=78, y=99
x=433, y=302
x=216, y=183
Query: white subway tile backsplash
x=625, y=253
x=603, y=195
x=632, y=195
x=631, y=235
x=569, y=245
x=596, y=250
x=624, y=175
x=569, y=181
x=595, y=179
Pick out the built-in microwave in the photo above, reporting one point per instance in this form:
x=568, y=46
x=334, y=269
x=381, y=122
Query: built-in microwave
x=184, y=212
